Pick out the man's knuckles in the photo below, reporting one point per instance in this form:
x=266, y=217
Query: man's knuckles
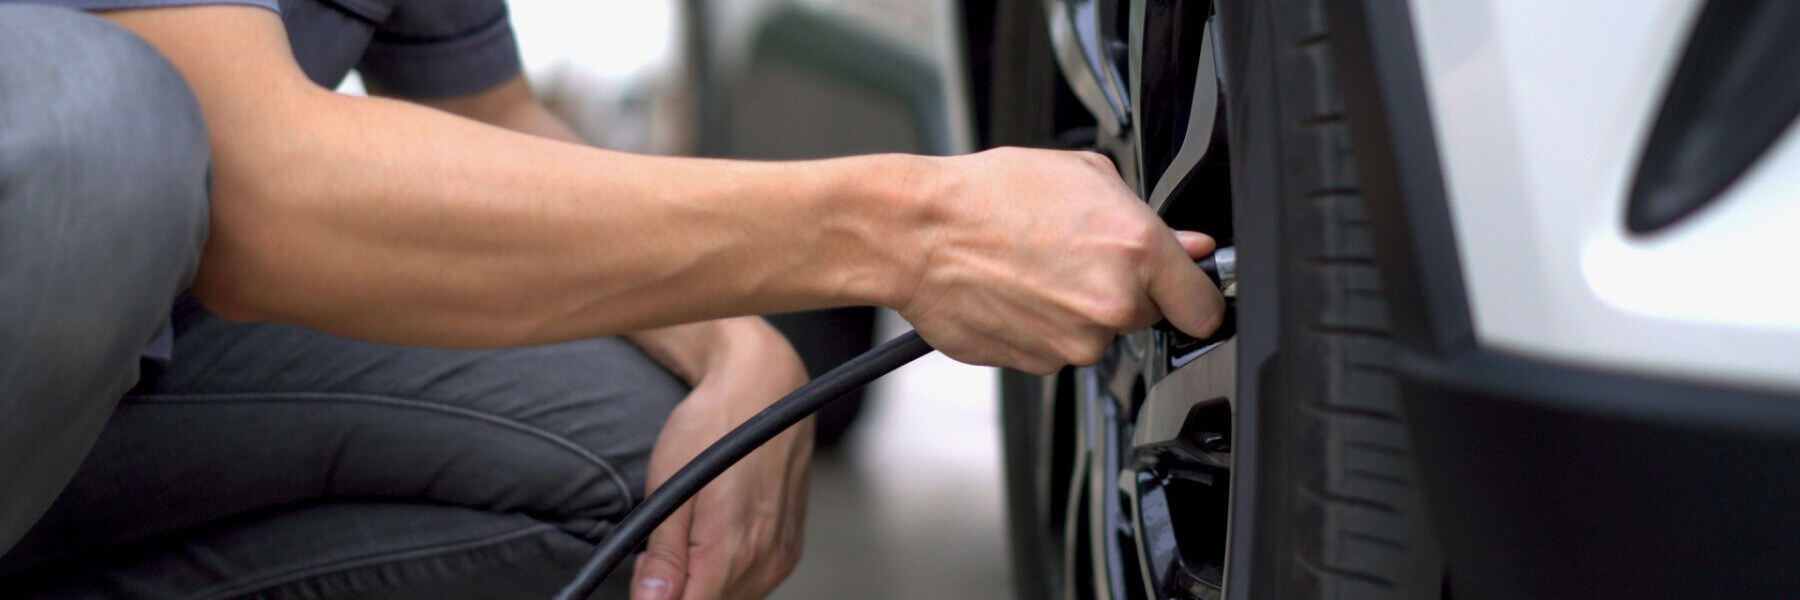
x=1099, y=161
x=1138, y=239
x=663, y=559
x=1113, y=313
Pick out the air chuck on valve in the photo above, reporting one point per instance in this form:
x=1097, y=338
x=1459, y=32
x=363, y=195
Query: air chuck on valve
x=1221, y=266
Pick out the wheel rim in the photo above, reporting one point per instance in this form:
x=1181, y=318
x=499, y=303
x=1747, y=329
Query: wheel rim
x=1148, y=492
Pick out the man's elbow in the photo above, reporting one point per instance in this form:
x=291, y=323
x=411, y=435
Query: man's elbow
x=237, y=278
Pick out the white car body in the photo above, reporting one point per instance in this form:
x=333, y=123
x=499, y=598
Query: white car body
x=1540, y=123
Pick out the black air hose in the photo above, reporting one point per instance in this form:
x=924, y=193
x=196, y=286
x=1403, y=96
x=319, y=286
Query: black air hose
x=637, y=525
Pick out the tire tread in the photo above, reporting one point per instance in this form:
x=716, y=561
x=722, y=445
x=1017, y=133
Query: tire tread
x=1361, y=532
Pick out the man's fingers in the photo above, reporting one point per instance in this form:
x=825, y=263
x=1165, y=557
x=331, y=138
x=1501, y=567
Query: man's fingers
x=1187, y=298
x=661, y=572
x=1100, y=161
x=1143, y=319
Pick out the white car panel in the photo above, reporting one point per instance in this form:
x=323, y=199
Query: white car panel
x=1541, y=108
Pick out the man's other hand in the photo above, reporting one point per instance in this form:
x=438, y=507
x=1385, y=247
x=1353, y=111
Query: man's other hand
x=741, y=535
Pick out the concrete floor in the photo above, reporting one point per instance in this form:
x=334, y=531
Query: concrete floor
x=912, y=505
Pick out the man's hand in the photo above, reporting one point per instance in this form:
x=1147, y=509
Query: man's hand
x=741, y=535
x=1039, y=258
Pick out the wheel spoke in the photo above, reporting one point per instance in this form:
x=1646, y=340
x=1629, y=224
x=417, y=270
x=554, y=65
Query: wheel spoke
x=1147, y=496
x=1077, y=552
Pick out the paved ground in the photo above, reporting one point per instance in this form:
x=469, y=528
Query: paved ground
x=912, y=509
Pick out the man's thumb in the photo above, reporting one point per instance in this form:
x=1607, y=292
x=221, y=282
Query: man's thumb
x=1195, y=244
x=661, y=571
x=1182, y=292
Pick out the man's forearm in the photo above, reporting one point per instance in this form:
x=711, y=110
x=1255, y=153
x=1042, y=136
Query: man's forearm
x=489, y=237
x=330, y=211
x=693, y=351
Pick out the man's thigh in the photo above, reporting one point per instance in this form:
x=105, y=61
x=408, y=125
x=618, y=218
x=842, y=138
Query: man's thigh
x=250, y=417
x=340, y=551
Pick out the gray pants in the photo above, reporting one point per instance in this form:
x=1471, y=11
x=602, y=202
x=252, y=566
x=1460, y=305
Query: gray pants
x=263, y=461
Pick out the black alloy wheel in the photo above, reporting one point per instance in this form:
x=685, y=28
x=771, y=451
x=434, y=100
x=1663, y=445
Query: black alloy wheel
x=1122, y=476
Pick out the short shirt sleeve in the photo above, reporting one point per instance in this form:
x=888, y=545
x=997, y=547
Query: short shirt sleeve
x=273, y=5
x=441, y=49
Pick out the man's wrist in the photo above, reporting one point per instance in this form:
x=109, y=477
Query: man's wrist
x=697, y=351
x=751, y=346
x=684, y=350
x=889, y=204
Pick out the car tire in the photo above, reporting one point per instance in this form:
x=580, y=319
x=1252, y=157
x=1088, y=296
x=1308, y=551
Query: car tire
x=1344, y=516
x=1025, y=105
x=1339, y=511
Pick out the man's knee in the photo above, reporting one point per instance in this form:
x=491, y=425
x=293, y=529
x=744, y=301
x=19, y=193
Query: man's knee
x=98, y=128
x=103, y=172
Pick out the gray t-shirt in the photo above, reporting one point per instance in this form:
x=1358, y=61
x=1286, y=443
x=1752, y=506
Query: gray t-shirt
x=407, y=48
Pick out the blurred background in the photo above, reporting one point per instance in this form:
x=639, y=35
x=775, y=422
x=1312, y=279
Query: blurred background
x=906, y=494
